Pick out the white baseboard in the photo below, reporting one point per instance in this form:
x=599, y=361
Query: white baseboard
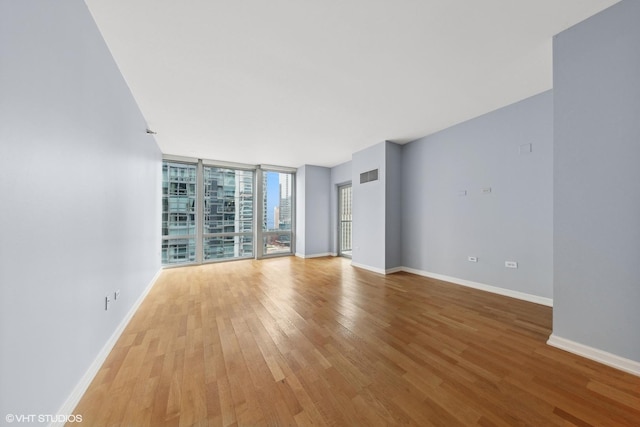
x=299, y=255
x=476, y=285
x=74, y=398
x=376, y=269
x=604, y=357
x=368, y=267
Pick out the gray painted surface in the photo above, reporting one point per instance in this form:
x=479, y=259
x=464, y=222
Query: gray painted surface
x=369, y=208
x=340, y=175
x=80, y=183
x=393, y=206
x=440, y=228
x=301, y=210
x=597, y=182
x=315, y=207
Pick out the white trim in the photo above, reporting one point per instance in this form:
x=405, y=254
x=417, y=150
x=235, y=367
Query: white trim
x=493, y=289
x=74, y=398
x=393, y=270
x=367, y=267
x=324, y=254
x=604, y=357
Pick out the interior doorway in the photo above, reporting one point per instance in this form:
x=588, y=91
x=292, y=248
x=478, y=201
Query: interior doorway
x=344, y=221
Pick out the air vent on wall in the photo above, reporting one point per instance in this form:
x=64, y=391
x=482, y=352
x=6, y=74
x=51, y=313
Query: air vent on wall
x=369, y=176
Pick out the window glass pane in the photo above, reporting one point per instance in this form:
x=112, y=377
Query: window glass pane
x=345, y=221
x=178, y=199
x=277, y=213
x=178, y=251
x=277, y=243
x=226, y=247
x=227, y=209
x=228, y=201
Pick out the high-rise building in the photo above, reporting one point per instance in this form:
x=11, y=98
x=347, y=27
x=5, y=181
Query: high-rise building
x=178, y=213
x=265, y=225
x=284, y=216
x=228, y=211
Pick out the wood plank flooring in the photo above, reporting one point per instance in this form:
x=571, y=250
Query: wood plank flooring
x=287, y=341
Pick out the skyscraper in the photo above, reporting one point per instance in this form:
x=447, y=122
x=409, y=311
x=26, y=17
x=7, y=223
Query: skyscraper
x=284, y=218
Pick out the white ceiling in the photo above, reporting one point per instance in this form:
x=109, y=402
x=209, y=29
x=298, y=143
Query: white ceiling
x=293, y=82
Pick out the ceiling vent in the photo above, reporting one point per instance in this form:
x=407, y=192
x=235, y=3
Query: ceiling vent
x=369, y=176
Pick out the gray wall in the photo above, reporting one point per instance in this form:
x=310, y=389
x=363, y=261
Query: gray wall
x=393, y=206
x=597, y=181
x=301, y=223
x=369, y=208
x=441, y=228
x=313, y=217
x=340, y=175
x=377, y=207
x=80, y=187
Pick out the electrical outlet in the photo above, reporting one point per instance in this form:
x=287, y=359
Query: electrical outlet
x=511, y=264
x=107, y=301
x=472, y=259
x=116, y=294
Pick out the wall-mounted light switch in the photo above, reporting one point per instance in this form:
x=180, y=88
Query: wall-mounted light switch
x=472, y=259
x=486, y=190
x=107, y=301
x=511, y=264
x=116, y=294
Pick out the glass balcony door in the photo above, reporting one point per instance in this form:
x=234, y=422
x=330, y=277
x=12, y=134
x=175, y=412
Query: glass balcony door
x=344, y=221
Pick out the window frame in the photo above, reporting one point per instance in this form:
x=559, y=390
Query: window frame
x=257, y=235
x=261, y=234
x=169, y=237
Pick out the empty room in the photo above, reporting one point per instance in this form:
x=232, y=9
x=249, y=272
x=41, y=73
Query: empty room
x=356, y=213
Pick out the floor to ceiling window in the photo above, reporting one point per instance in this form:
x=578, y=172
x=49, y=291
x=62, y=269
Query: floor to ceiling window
x=179, y=202
x=277, y=212
x=227, y=213
x=212, y=211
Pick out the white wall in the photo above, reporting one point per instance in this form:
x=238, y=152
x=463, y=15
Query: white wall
x=441, y=229
x=80, y=198
x=597, y=182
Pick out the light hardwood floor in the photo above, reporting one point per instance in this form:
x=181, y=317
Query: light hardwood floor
x=288, y=341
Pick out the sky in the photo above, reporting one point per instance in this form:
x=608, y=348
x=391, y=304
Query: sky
x=273, y=196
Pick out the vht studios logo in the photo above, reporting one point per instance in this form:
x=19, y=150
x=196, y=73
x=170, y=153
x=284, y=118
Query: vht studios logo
x=43, y=418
